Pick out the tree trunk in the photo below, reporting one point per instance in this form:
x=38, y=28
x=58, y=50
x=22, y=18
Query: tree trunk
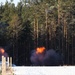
x=46, y=28
x=37, y=32
x=58, y=12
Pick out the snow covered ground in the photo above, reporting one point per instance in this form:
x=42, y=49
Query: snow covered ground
x=58, y=70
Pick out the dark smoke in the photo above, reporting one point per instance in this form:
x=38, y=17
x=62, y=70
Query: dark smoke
x=48, y=58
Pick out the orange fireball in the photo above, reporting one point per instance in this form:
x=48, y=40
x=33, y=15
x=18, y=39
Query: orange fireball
x=2, y=50
x=40, y=50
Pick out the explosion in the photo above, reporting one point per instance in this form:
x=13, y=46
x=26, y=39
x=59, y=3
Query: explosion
x=43, y=57
x=40, y=50
x=2, y=53
x=2, y=50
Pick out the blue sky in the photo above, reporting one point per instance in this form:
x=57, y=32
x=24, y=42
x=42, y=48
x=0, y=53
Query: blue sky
x=15, y=1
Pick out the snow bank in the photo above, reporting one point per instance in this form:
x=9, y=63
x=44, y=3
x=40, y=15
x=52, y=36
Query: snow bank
x=58, y=70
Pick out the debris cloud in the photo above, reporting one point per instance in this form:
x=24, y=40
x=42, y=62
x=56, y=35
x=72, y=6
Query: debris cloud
x=43, y=57
x=2, y=53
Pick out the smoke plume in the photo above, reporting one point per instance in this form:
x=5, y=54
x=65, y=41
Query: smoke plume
x=2, y=53
x=46, y=58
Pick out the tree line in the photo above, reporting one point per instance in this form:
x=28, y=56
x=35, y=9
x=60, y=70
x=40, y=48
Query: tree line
x=34, y=23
